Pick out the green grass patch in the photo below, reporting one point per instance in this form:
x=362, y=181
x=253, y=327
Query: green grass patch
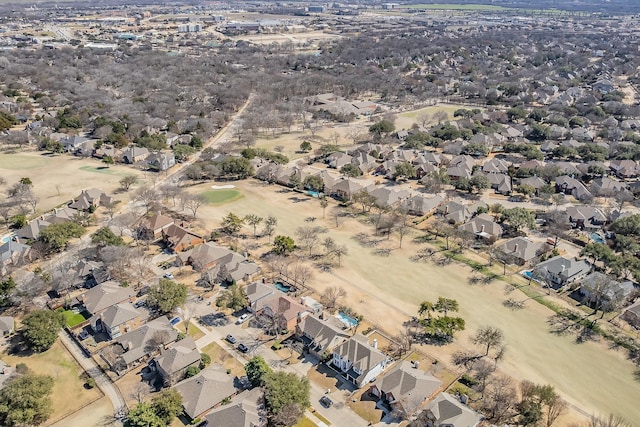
x=447, y=6
x=305, y=422
x=20, y=162
x=72, y=318
x=219, y=197
x=321, y=418
x=194, y=331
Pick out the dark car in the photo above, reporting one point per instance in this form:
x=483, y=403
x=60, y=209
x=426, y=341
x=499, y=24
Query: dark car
x=242, y=348
x=326, y=401
x=231, y=339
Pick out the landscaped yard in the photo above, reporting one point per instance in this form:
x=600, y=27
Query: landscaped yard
x=69, y=393
x=194, y=332
x=305, y=422
x=323, y=376
x=365, y=408
x=218, y=197
x=226, y=359
x=72, y=318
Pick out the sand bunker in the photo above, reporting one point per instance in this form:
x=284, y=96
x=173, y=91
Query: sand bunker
x=222, y=187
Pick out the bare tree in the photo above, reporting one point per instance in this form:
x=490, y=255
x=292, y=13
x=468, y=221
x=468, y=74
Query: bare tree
x=170, y=191
x=147, y=197
x=488, y=337
x=331, y=295
x=301, y=273
x=339, y=252
x=140, y=391
x=193, y=203
x=270, y=223
x=308, y=236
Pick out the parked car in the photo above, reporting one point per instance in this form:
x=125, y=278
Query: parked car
x=326, y=401
x=231, y=339
x=242, y=348
x=243, y=318
x=143, y=291
x=168, y=276
x=140, y=303
x=175, y=321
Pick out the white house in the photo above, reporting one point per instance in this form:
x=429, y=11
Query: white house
x=359, y=361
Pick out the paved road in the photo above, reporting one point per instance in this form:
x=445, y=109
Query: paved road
x=102, y=380
x=338, y=415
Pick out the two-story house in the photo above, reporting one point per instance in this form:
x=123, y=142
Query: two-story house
x=118, y=319
x=172, y=363
x=319, y=336
x=358, y=361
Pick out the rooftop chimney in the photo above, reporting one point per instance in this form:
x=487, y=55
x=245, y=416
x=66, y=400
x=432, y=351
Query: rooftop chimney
x=482, y=228
x=515, y=248
x=375, y=343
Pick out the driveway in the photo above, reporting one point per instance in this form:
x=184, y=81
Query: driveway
x=339, y=415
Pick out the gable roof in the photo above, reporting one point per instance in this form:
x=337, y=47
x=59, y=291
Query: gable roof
x=105, y=295
x=32, y=230
x=177, y=235
x=565, y=268
x=409, y=385
x=11, y=248
x=447, y=410
x=363, y=356
x=205, y=390
x=243, y=411
x=178, y=356
x=7, y=324
x=118, y=314
x=521, y=248
x=159, y=222
x=135, y=342
x=483, y=224
x=321, y=333
x=257, y=294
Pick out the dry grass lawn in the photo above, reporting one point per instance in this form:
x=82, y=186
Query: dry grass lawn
x=194, y=331
x=365, y=407
x=388, y=290
x=226, y=359
x=58, y=179
x=69, y=393
x=92, y=415
x=324, y=377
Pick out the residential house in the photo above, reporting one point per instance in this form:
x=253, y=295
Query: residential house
x=609, y=292
x=454, y=212
x=117, y=320
x=60, y=215
x=632, y=314
x=500, y=182
x=624, y=169
x=258, y=294
x=338, y=159
x=586, y=217
x=447, y=411
x=603, y=86
x=345, y=188
x=534, y=181
x=320, y=336
x=162, y=160
x=140, y=344
x=359, y=361
x=559, y=271
x=483, y=226
x=32, y=230
x=245, y=410
x=72, y=143
x=107, y=151
x=133, y=154
x=571, y=186
x=363, y=161
x=206, y=391
x=460, y=167
x=14, y=253
x=90, y=199
x=179, y=239
x=388, y=197
x=405, y=388
x=99, y=298
x=605, y=186
x=7, y=325
x=495, y=165
x=219, y=264
x=152, y=228
x=284, y=311
x=420, y=205
x=521, y=250
x=172, y=363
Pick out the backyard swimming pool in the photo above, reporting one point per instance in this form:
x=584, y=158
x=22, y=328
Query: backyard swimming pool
x=597, y=238
x=313, y=193
x=347, y=320
x=282, y=287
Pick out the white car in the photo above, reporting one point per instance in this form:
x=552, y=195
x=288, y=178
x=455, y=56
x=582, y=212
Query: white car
x=243, y=318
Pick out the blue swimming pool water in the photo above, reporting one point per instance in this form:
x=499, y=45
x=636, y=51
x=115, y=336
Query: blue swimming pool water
x=347, y=320
x=282, y=287
x=313, y=193
x=597, y=238
x=527, y=274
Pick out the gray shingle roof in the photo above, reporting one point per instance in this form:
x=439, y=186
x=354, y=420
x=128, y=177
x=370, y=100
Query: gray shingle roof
x=409, y=385
x=447, y=410
x=178, y=356
x=243, y=411
x=105, y=295
x=205, y=390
